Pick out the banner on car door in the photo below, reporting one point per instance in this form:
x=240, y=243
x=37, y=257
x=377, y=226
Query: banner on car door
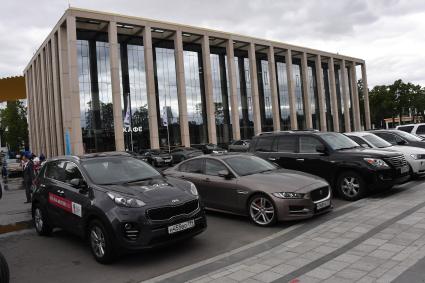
x=65, y=204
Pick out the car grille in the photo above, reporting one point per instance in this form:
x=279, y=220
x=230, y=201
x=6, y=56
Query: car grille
x=397, y=161
x=167, y=212
x=319, y=194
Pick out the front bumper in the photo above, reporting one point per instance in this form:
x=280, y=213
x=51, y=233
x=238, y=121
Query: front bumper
x=151, y=234
x=385, y=178
x=417, y=165
x=297, y=209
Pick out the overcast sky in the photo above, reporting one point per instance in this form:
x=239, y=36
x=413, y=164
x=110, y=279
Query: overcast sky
x=388, y=34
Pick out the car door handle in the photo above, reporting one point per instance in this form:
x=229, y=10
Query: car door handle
x=300, y=159
x=272, y=158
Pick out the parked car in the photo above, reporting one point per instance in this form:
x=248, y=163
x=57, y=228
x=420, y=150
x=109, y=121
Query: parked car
x=416, y=129
x=415, y=156
x=14, y=167
x=239, y=145
x=350, y=169
x=397, y=137
x=212, y=148
x=4, y=270
x=137, y=155
x=182, y=153
x=248, y=185
x=158, y=157
x=118, y=202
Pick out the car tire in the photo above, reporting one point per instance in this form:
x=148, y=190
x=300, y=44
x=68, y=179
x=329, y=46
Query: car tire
x=101, y=244
x=41, y=224
x=351, y=186
x=262, y=210
x=4, y=270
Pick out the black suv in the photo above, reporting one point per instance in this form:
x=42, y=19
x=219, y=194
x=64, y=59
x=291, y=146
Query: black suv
x=397, y=137
x=118, y=202
x=349, y=168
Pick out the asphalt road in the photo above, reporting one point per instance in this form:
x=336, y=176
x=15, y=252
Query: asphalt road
x=65, y=258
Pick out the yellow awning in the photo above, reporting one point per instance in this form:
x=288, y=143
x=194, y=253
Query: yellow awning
x=12, y=88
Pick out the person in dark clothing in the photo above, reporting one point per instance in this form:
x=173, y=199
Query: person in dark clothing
x=28, y=174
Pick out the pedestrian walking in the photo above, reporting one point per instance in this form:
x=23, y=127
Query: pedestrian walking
x=28, y=174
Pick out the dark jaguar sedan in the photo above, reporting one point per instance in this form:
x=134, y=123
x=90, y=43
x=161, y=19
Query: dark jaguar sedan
x=118, y=202
x=248, y=185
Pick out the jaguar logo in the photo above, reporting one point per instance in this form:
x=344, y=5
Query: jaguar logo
x=175, y=201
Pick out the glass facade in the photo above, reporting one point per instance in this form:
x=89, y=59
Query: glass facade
x=221, y=96
x=134, y=100
x=243, y=80
x=282, y=88
x=265, y=95
x=299, y=100
x=97, y=122
x=195, y=97
x=166, y=95
x=313, y=94
x=327, y=94
x=350, y=99
x=339, y=98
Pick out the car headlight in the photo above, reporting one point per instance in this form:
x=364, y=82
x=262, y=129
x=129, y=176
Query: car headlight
x=285, y=195
x=378, y=163
x=417, y=156
x=125, y=201
x=193, y=189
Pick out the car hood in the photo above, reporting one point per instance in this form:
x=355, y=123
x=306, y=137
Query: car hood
x=162, y=155
x=407, y=149
x=154, y=190
x=284, y=180
x=368, y=152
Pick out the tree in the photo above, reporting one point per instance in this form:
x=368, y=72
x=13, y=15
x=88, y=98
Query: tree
x=13, y=122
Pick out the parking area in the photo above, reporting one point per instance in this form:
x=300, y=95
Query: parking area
x=65, y=258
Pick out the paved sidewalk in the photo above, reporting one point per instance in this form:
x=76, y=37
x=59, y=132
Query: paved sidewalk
x=372, y=240
x=14, y=213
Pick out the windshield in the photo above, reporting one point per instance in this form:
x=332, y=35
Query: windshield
x=377, y=141
x=116, y=170
x=248, y=165
x=338, y=141
x=408, y=136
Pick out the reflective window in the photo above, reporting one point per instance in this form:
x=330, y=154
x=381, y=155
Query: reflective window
x=327, y=94
x=408, y=129
x=221, y=98
x=97, y=121
x=264, y=144
x=299, y=100
x=192, y=166
x=243, y=79
x=212, y=167
x=135, y=101
x=339, y=98
x=282, y=87
x=167, y=101
x=420, y=130
x=287, y=143
x=195, y=97
x=265, y=96
x=350, y=97
x=314, y=100
x=308, y=144
x=72, y=172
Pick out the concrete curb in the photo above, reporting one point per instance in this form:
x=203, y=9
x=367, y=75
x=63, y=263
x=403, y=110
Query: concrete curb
x=22, y=225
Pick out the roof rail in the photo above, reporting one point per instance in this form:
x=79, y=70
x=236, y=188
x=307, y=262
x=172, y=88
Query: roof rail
x=288, y=131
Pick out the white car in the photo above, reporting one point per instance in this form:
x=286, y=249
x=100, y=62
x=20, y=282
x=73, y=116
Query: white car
x=415, y=156
x=416, y=129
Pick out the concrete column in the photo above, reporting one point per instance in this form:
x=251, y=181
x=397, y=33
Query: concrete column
x=368, y=125
x=254, y=88
x=233, y=88
x=209, y=98
x=44, y=106
x=114, y=56
x=40, y=112
x=50, y=101
x=355, y=97
x=65, y=90
x=291, y=90
x=76, y=136
x=36, y=147
x=273, y=88
x=150, y=87
x=57, y=96
x=306, y=88
x=181, y=88
x=345, y=96
x=320, y=93
x=332, y=88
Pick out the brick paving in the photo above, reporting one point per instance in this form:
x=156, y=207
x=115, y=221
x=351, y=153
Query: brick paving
x=378, y=240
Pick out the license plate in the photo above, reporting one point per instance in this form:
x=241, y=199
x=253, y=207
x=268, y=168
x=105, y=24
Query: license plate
x=181, y=226
x=323, y=204
x=404, y=169
x=167, y=160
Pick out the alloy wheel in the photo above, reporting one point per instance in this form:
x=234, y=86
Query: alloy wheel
x=38, y=219
x=262, y=211
x=97, y=240
x=350, y=186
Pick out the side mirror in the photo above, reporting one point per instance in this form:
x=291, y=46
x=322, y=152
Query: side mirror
x=78, y=184
x=321, y=148
x=401, y=142
x=224, y=174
